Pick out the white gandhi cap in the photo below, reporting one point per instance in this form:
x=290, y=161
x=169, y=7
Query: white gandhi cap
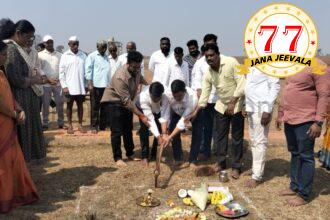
x=73, y=38
x=47, y=38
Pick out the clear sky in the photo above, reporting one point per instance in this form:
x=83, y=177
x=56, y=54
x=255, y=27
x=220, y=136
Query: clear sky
x=146, y=21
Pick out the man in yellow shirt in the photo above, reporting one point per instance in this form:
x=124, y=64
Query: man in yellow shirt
x=229, y=86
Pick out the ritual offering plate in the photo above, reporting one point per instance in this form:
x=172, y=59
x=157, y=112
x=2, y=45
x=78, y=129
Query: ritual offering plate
x=148, y=200
x=231, y=210
x=180, y=214
x=145, y=202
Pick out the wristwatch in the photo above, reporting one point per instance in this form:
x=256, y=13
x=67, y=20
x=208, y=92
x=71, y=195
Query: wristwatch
x=319, y=123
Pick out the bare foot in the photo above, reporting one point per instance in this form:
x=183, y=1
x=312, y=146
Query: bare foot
x=192, y=166
x=235, y=174
x=184, y=165
x=248, y=173
x=70, y=130
x=251, y=183
x=297, y=201
x=217, y=168
x=132, y=158
x=145, y=162
x=287, y=192
x=121, y=163
x=81, y=129
x=178, y=163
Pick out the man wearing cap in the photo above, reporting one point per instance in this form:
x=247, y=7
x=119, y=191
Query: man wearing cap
x=49, y=62
x=72, y=78
x=97, y=74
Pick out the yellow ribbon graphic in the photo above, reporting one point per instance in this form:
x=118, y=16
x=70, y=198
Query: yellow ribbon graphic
x=317, y=67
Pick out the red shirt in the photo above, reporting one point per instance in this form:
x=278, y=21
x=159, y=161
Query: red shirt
x=305, y=97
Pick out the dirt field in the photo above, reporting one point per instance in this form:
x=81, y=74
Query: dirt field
x=80, y=179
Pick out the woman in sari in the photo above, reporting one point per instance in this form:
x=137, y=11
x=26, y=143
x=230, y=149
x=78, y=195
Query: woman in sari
x=24, y=82
x=325, y=152
x=16, y=185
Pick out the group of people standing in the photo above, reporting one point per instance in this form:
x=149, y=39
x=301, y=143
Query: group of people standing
x=215, y=98
x=202, y=88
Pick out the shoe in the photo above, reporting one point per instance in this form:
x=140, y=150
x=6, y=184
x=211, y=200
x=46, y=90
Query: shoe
x=60, y=126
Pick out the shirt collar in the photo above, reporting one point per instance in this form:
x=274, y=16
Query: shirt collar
x=222, y=64
x=75, y=54
x=128, y=75
x=185, y=98
x=98, y=53
x=48, y=52
x=110, y=57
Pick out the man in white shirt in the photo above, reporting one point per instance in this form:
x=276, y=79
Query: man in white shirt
x=49, y=63
x=182, y=102
x=204, y=121
x=260, y=94
x=72, y=79
x=153, y=102
x=97, y=69
x=113, y=58
x=158, y=58
x=176, y=68
x=122, y=59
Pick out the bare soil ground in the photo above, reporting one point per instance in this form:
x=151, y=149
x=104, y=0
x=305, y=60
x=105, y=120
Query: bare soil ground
x=80, y=179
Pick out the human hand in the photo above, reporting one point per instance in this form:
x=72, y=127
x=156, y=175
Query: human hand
x=314, y=131
x=37, y=79
x=53, y=81
x=167, y=141
x=90, y=85
x=278, y=123
x=192, y=116
x=144, y=119
x=199, y=92
x=160, y=140
x=66, y=91
x=21, y=117
x=265, y=118
x=244, y=113
x=231, y=108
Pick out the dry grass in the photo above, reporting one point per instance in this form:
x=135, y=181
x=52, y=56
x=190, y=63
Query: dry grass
x=80, y=181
